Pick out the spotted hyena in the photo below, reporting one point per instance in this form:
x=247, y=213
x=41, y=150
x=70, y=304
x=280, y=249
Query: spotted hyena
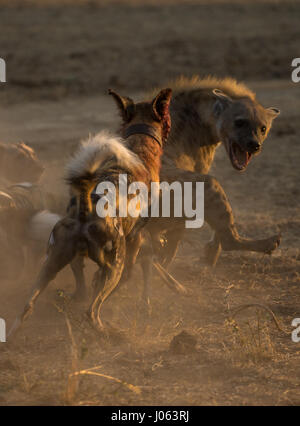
x=206, y=113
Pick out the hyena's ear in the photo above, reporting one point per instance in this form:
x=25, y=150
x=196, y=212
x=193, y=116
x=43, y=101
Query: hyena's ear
x=273, y=112
x=21, y=146
x=222, y=101
x=126, y=105
x=161, y=103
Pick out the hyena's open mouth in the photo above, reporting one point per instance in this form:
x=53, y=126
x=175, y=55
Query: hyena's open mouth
x=239, y=158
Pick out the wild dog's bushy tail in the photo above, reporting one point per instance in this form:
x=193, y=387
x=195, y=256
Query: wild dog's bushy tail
x=84, y=168
x=41, y=225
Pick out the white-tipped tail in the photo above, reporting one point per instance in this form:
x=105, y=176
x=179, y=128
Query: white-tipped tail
x=95, y=151
x=41, y=225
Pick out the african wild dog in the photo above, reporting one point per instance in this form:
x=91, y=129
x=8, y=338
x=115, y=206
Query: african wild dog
x=25, y=222
x=82, y=233
x=19, y=163
x=205, y=113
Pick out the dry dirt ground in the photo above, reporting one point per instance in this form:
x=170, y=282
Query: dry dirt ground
x=60, y=60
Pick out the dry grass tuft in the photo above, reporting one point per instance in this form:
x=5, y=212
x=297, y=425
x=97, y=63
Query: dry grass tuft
x=72, y=388
x=251, y=341
x=91, y=372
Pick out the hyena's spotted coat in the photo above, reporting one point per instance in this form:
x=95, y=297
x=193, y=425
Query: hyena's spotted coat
x=205, y=113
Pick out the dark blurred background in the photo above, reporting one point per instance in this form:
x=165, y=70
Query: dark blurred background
x=57, y=48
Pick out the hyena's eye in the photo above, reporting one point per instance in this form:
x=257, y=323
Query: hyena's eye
x=263, y=129
x=240, y=122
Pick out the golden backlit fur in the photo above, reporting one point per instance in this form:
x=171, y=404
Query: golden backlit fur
x=203, y=113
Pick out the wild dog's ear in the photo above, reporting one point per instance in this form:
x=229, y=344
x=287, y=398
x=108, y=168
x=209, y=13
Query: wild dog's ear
x=273, y=112
x=125, y=105
x=222, y=101
x=161, y=103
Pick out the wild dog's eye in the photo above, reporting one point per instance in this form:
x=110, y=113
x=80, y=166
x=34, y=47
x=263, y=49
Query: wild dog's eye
x=240, y=122
x=263, y=130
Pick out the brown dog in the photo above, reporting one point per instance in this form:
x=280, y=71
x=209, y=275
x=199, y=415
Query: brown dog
x=103, y=239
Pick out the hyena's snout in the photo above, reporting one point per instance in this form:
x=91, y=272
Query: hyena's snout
x=253, y=146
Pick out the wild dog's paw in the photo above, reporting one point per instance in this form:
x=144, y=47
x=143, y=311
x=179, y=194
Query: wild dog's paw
x=212, y=251
x=144, y=309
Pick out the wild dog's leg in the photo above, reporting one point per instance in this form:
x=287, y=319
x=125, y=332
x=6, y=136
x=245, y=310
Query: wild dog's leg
x=173, y=239
x=77, y=266
x=98, y=284
x=150, y=256
x=61, y=251
x=111, y=280
x=212, y=250
x=108, y=280
x=147, y=257
x=133, y=244
x=132, y=250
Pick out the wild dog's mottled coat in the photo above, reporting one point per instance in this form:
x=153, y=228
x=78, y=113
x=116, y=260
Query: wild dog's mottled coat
x=82, y=232
x=19, y=163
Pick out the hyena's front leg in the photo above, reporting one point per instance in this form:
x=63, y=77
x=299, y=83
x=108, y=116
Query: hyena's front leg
x=218, y=214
